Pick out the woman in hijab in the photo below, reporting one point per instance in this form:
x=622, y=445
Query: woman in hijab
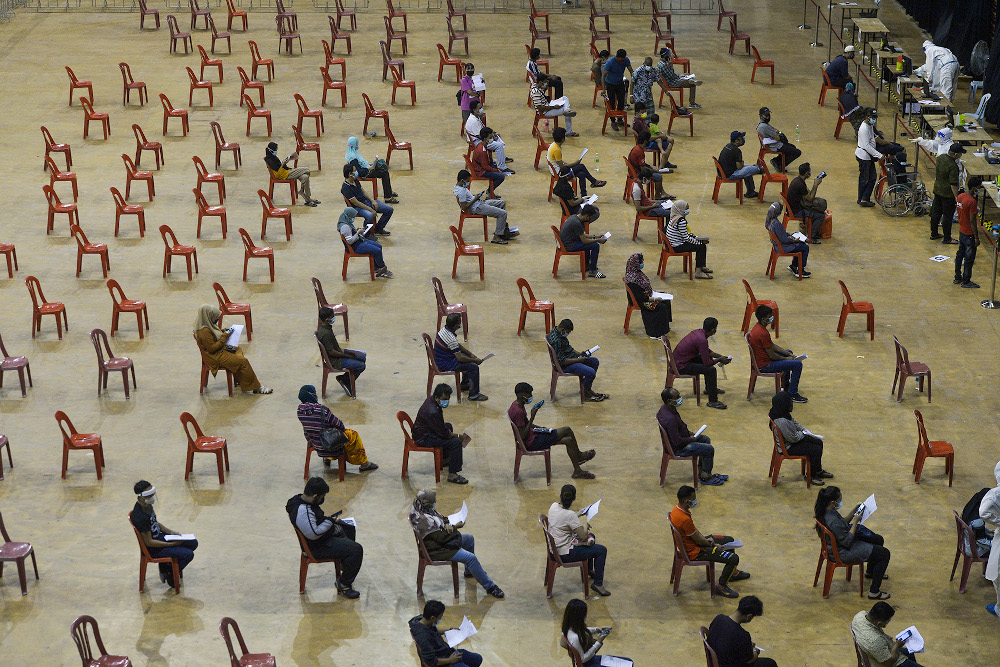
x=989, y=510
x=786, y=243
x=684, y=241
x=212, y=341
x=656, y=313
x=442, y=540
x=367, y=170
x=855, y=543
x=361, y=244
x=798, y=440
x=316, y=418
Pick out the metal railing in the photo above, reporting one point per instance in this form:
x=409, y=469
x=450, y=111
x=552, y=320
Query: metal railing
x=492, y=6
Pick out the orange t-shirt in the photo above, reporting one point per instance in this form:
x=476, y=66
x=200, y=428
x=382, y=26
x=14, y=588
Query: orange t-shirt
x=760, y=340
x=681, y=520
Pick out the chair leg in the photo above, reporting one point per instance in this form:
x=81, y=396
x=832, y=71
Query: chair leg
x=454, y=576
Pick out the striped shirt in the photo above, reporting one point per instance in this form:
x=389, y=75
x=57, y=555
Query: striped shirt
x=316, y=418
x=538, y=97
x=677, y=232
x=445, y=346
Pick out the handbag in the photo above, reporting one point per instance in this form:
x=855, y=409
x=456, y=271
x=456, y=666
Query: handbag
x=332, y=442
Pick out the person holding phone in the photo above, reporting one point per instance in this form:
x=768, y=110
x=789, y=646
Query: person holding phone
x=281, y=170
x=730, y=640
x=537, y=438
x=803, y=202
x=581, y=638
x=491, y=208
x=868, y=628
x=705, y=547
x=219, y=354
x=855, y=543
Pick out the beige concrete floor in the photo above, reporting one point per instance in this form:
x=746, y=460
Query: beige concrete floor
x=246, y=566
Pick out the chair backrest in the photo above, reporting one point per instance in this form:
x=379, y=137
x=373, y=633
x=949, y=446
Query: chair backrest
x=320, y=296
x=254, y=51
x=80, y=632
x=863, y=660
x=49, y=141
x=667, y=245
x=395, y=74
x=451, y=28
x=79, y=235
x=406, y=424
x=3, y=349
x=165, y=101
x=679, y=550
x=203, y=54
x=301, y=103
x=126, y=73
x=440, y=299
x=732, y=25
x=982, y=106
x=456, y=236
x=559, y=242
x=188, y=421
x=247, y=241
x=550, y=544
x=711, y=660
x=51, y=196
x=53, y=168
x=217, y=133
x=753, y=357
x=327, y=365
x=172, y=25
x=304, y=544
x=429, y=349
x=129, y=164
x=369, y=107
x=922, y=440
x=718, y=169
x=100, y=340
x=826, y=77
x=224, y=626
x=669, y=351
x=665, y=441
x=327, y=51
x=64, y=425
x=756, y=54
x=442, y=53
x=251, y=107
x=828, y=544
x=142, y=545
x=211, y=26
x=199, y=165
x=574, y=655
x=140, y=136
x=631, y=297
x=221, y=296
x=847, y=295
x=553, y=359
x=523, y=285
x=200, y=200
x=751, y=299
x=231, y=6
x=779, y=437
x=88, y=108
x=194, y=79
x=518, y=441
x=165, y=231
x=114, y=287
x=421, y=548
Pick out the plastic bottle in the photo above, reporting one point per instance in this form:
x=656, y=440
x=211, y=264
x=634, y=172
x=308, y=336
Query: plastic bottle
x=797, y=134
x=373, y=135
x=545, y=125
x=597, y=161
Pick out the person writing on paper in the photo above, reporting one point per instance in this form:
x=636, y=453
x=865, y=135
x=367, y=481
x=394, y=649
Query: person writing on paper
x=491, y=208
x=573, y=540
x=551, y=109
x=281, y=171
x=327, y=536
x=586, y=641
x=701, y=547
x=693, y=356
x=366, y=169
x=798, y=440
x=855, y=543
x=443, y=541
x=317, y=418
x=786, y=242
x=356, y=196
x=671, y=79
x=882, y=650
x=577, y=167
x=351, y=361
x=433, y=649
x=731, y=642
x=641, y=201
x=584, y=364
x=537, y=438
x=683, y=441
x=361, y=244
x=773, y=359
x=683, y=240
x=656, y=313
x=989, y=511
x=219, y=354
x=152, y=533
x=574, y=236
x=431, y=430
x=450, y=355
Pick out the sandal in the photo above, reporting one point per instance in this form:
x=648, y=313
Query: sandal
x=366, y=467
x=587, y=455
x=599, y=184
x=881, y=595
x=458, y=479
x=583, y=474
x=263, y=390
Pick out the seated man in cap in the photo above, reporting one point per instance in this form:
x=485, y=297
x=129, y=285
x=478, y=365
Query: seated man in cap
x=280, y=170
x=838, y=70
x=731, y=161
x=776, y=141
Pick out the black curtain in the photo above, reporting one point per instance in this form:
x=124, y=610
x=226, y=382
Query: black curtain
x=991, y=82
x=953, y=24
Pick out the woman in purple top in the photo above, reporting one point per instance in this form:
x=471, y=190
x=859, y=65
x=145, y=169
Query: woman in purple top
x=468, y=91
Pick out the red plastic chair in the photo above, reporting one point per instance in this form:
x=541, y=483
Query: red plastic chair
x=129, y=84
x=72, y=440
x=850, y=306
x=201, y=443
x=52, y=147
x=75, y=83
x=932, y=449
x=674, y=373
x=144, y=11
x=89, y=114
x=409, y=445
x=85, y=247
x=424, y=559
x=542, y=147
x=5, y=443
x=301, y=146
x=169, y=111
x=197, y=11
x=596, y=37
x=145, y=559
x=8, y=250
x=305, y=112
x=222, y=145
x=122, y=304
x=595, y=14
x=292, y=184
x=205, y=368
x=452, y=13
x=336, y=34
x=234, y=13
x=216, y=35
x=349, y=13
x=272, y=211
x=334, y=60
x=341, y=462
x=829, y=552
x=17, y=552
x=759, y=62
x=444, y=308
x=540, y=36
x=41, y=306
x=752, y=303
x=254, y=112
x=349, y=254
x=387, y=60
x=444, y=59
x=329, y=84
x=530, y=304
x=433, y=370
x=209, y=62
x=535, y=14
x=56, y=206
x=227, y=307
x=558, y=372
x=666, y=88
x=204, y=176
x=463, y=250
x=964, y=548
x=338, y=308
x=669, y=455
x=246, y=84
x=682, y=560
x=456, y=37
x=906, y=368
x=308, y=559
x=134, y=174
x=683, y=63
x=391, y=35
x=667, y=251
x=327, y=370
x=266, y=63
x=827, y=85
x=674, y=114
x=755, y=372
x=561, y=251
x=198, y=85
x=769, y=177
x=724, y=14
x=610, y=114
x=251, y=251
x=113, y=364
x=520, y=450
x=659, y=13
x=841, y=119
x=19, y=364
x=291, y=19
x=780, y=454
x=736, y=36
x=639, y=217
x=399, y=82
x=711, y=659
x=80, y=632
x=395, y=14
x=246, y=659
x=553, y=562
x=772, y=261
x=144, y=144
x=371, y=112
x=397, y=145
x=176, y=34
x=658, y=35
x=204, y=209
x=765, y=150
x=173, y=248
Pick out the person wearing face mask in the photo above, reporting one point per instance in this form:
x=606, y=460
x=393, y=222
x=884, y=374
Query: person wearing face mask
x=443, y=541
x=368, y=170
x=867, y=153
x=356, y=197
x=642, y=203
x=853, y=111
x=694, y=357
x=773, y=359
x=152, y=533
x=468, y=90
x=839, y=68
x=491, y=208
x=804, y=203
x=280, y=170
x=347, y=360
x=683, y=441
x=798, y=440
x=776, y=141
x=213, y=341
x=575, y=237
x=855, y=543
x=989, y=512
x=656, y=313
x=450, y=355
x=360, y=243
x=573, y=540
x=482, y=165
x=551, y=108
x=578, y=169
x=670, y=78
x=947, y=177
x=475, y=124
x=584, y=364
x=555, y=82
x=731, y=161
x=616, y=86
x=731, y=642
x=683, y=240
x=317, y=418
x=642, y=86
x=328, y=537
x=785, y=241
x=637, y=158
x=537, y=438
x=702, y=547
x=868, y=628
x=431, y=430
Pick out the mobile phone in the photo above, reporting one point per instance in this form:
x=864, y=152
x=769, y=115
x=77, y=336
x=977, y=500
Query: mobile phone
x=822, y=174
x=335, y=515
x=539, y=404
x=904, y=635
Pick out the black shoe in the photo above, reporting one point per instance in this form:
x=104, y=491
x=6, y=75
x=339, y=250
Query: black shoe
x=866, y=204
x=823, y=474
x=496, y=592
x=816, y=240
x=458, y=479
x=970, y=284
x=740, y=576
x=347, y=591
x=719, y=405
x=345, y=383
x=508, y=159
x=935, y=236
x=799, y=398
x=949, y=242
x=382, y=232
x=956, y=281
x=726, y=592
x=777, y=166
x=479, y=397
x=669, y=165
x=751, y=195
x=312, y=203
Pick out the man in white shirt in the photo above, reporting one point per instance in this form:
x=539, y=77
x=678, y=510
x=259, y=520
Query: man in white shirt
x=491, y=208
x=553, y=108
x=867, y=154
x=474, y=125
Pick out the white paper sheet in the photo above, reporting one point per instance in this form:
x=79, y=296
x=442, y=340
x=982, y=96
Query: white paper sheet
x=489, y=356
x=607, y=235
x=914, y=643
x=799, y=236
x=869, y=508
x=612, y=661
x=590, y=511
x=350, y=521
x=234, y=337
x=701, y=430
x=584, y=153
x=559, y=101
x=589, y=200
x=593, y=349
x=464, y=631
x=460, y=515
x=178, y=538
x=801, y=357
x=663, y=296
x=478, y=83
x=732, y=545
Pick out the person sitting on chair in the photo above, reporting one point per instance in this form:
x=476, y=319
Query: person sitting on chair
x=367, y=170
x=564, y=190
x=839, y=68
x=328, y=537
x=431, y=646
x=673, y=80
x=574, y=236
x=537, y=438
x=584, y=364
x=786, y=242
x=694, y=357
x=213, y=342
x=798, y=440
x=491, y=208
x=573, y=540
x=701, y=547
x=317, y=419
x=731, y=642
x=682, y=240
x=431, y=430
x=551, y=108
x=683, y=441
x=776, y=141
x=579, y=169
x=804, y=203
x=855, y=543
x=577, y=635
x=642, y=203
x=482, y=165
x=731, y=161
x=555, y=82
x=773, y=359
x=361, y=244
x=450, y=355
x=868, y=628
x=347, y=360
x=474, y=125
x=152, y=533
x=356, y=197
x=637, y=158
x=281, y=171
x=656, y=312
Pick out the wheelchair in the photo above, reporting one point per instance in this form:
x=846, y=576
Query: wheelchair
x=902, y=192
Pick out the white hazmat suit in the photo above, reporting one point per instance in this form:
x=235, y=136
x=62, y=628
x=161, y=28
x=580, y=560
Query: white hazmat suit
x=989, y=510
x=940, y=69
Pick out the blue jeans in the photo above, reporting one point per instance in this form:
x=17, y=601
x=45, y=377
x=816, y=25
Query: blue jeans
x=469, y=659
x=586, y=368
x=703, y=449
x=590, y=252
x=384, y=209
x=798, y=247
x=467, y=556
x=790, y=368
x=356, y=366
x=183, y=552
x=746, y=174
x=597, y=553
x=373, y=248
x=496, y=177
x=966, y=254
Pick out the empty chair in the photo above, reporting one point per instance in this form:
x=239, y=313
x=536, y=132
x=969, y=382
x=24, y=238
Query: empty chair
x=17, y=553
x=121, y=304
x=222, y=145
x=198, y=85
x=387, y=60
x=931, y=449
x=110, y=365
x=206, y=61
x=251, y=250
x=129, y=84
x=537, y=36
x=173, y=248
x=463, y=250
x=144, y=144
x=397, y=146
x=287, y=34
x=201, y=443
x=763, y=64
x=444, y=59
x=216, y=35
x=89, y=114
x=235, y=14
x=336, y=34
x=19, y=364
x=144, y=11
x=535, y=14
x=197, y=11
x=596, y=14
x=767, y=176
x=399, y=82
x=723, y=14
x=850, y=306
x=530, y=304
x=596, y=37
x=752, y=303
x=204, y=209
x=272, y=211
x=246, y=658
x=371, y=112
x=349, y=13
x=176, y=34
x=391, y=35
x=41, y=306
x=396, y=14
x=305, y=112
x=227, y=307
x=334, y=60
x=736, y=36
x=266, y=63
x=456, y=37
x=905, y=368
x=56, y=206
x=254, y=112
x=246, y=84
x=85, y=247
x=75, y=83
x=52, y=147
x=72, y=440
x=409, y=445
x=205, y=177
x=10, y=252
x=170, y=112
x=80, y=631
x=329, y=84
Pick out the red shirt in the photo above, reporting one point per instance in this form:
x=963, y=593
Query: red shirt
x=967, y=209
x=481, y=161
x=519, y=417
x=760, y=340
x=682, y=521
x=637, y=156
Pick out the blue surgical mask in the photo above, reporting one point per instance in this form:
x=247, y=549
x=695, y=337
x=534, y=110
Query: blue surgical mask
x=686, y=211
x=641, y=266
x=840, y=503
x=769, y=320
x=694, y=503
x=872, y=121
x=530, y=399
x=680, y=399
x=445, y=403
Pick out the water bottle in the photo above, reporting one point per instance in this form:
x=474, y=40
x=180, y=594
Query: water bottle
x=597, y=161
x=545, y=125
x=373, y=135
x=796, y=134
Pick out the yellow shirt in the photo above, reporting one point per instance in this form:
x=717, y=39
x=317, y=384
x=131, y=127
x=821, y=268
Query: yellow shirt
x=555, y=153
